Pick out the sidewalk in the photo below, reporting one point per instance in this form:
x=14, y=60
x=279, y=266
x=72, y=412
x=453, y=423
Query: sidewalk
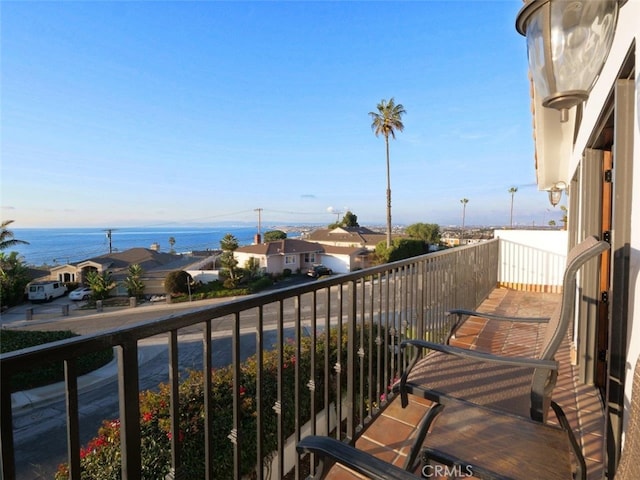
x=16, y=317
x=45, y=313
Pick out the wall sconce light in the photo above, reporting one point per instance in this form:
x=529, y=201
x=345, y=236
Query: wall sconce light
x=567, y=43
x=555, y=193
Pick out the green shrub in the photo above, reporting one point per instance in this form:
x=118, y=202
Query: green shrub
x=261, y=283
x=177, y=282
x=100, y=459
x=229, y=284
x=49, y=372
x=400, y=249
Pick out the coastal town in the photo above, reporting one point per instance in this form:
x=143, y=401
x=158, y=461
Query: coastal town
x=341, y=250
x=176, y=303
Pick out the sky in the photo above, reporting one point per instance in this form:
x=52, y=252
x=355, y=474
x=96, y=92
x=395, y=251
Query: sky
x=153, y=113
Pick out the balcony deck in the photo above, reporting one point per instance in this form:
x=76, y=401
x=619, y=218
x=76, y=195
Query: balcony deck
x=390, y=435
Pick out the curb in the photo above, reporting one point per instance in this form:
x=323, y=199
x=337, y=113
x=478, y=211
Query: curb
x=41, y=395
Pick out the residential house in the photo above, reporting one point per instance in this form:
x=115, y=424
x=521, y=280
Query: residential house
x=298, y=255
x=348, y=237
x=591, y=151
x=156, y=265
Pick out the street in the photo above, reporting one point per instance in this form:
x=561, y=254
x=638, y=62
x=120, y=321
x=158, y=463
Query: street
x=39, y=427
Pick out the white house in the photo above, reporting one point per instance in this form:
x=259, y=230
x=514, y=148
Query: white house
x=299, y=255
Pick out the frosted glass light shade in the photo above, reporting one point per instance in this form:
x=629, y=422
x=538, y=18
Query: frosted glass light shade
x=567, y=42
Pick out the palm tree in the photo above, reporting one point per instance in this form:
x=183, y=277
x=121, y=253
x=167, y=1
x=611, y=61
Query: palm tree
x=512, y=191
x=6, y=237
x=386, y=121
x=464, y=202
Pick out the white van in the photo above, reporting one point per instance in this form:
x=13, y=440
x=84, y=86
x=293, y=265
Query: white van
x=45, y=291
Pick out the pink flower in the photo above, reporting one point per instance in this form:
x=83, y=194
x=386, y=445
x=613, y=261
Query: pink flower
x=180, y=436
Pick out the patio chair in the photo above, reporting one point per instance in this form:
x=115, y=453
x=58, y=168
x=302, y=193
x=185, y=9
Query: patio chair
x=518, y=385
x=449, y=446
x=518, y=446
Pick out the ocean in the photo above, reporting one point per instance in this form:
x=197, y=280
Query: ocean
x=51, y=246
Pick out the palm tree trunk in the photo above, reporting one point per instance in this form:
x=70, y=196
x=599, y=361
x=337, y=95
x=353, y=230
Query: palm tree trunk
x=511, y=217
x=464, y=208
x=386, y=139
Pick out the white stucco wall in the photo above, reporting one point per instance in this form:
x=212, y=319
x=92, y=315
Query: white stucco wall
x=553, y=241
x=532, y=258
x=634, y=270
x=628, y=30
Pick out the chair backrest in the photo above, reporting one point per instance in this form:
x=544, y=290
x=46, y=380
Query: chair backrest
x=559, y=322
x=629, y=466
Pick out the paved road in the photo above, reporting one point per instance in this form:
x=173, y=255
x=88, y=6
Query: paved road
x=40, y=431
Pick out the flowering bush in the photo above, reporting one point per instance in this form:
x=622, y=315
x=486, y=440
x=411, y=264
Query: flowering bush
x=100, y=458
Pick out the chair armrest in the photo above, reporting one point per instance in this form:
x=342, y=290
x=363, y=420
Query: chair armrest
x=481, y=356
x=493, y=316
x=357, y=460
x=525, y=362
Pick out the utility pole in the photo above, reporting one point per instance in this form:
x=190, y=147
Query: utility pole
x=109, y=230
x=259, y=210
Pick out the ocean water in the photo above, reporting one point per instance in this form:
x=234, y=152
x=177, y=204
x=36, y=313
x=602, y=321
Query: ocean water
x=51, y=246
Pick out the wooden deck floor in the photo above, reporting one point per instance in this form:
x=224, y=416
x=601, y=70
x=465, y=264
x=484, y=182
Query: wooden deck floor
x=390, y=435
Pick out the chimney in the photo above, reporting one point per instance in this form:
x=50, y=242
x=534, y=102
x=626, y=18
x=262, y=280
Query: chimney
x=257, y=239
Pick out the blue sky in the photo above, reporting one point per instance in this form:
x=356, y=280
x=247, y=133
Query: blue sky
x=194, y=113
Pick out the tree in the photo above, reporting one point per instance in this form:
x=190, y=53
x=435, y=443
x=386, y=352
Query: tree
x=252, y=266
x=14, y=277
x=564, y=216
x=172, y=242
x=512, y=191
x=273, y=235
x=464, y=202
x=6, y=236
x=229, y=244
x=386, y=121
x=100, y=283
x=133, y=282
x=177, y=282
x=427, y=232
x=350, y=220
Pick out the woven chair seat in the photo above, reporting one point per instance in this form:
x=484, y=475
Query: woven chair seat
x=439, y=375
x=504, y=446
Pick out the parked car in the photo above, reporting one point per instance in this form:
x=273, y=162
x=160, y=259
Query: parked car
x=46, y=291
x=318, y=271
x=80, y=293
